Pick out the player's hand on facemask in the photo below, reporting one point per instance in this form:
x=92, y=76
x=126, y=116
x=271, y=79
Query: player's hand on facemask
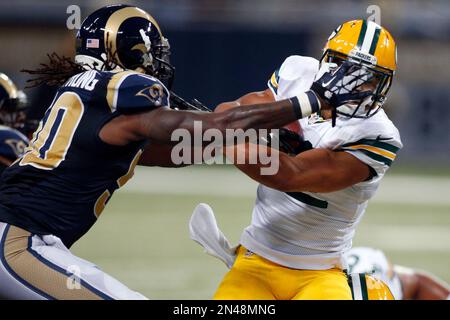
x=335, y=86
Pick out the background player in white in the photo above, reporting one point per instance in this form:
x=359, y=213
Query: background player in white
x=405, y=283
x=305, y=216
x=204, y=230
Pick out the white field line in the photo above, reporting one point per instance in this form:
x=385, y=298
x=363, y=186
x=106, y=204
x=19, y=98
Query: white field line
x=223, y=182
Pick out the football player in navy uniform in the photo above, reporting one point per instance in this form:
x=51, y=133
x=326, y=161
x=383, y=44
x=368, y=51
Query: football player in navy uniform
x=12, y=119
x=110, y=113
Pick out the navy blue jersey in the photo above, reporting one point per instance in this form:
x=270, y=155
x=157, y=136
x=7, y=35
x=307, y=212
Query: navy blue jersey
x=67, y=175
x=12, y=145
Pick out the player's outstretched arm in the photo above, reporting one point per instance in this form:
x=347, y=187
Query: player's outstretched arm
x=316, y=170
x=256, y=97
x=160, y=154
x=419, y=285
x=159, y=124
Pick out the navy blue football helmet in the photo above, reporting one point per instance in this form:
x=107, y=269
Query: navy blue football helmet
x=13, y=103
x=126, y=37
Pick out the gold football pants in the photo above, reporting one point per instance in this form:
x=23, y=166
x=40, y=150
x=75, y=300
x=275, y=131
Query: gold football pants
x=254, y=278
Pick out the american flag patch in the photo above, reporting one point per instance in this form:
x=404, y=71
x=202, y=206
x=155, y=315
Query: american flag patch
x=92, y=43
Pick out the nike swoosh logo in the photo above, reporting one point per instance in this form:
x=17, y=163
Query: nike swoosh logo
x=379, y=138
x=327, y=83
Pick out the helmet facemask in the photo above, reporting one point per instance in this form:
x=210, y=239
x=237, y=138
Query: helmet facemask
x=161, y=67
x=12, y=111
x=373, y=78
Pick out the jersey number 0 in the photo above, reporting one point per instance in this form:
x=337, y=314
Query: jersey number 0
x=52, y=139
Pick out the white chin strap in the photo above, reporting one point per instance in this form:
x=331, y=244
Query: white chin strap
x=349, y=109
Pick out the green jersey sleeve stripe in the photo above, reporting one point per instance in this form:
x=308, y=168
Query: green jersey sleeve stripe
x=372, y=155
x=277, y=75
x=375, y=143
x=272, y=87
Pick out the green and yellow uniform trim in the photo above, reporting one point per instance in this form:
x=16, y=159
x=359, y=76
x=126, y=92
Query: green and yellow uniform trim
x=273, y=81
x=368, y=37
x=367, y=287
x=357, y=283
x=377, y=150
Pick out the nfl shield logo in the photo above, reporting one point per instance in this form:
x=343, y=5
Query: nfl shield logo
x=92, y=43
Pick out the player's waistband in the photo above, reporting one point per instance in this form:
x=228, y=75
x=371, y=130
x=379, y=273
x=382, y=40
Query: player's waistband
x=308, y=262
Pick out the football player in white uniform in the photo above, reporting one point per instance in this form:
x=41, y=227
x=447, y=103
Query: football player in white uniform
x=306, y=214
x=404, y=283
x=204, y=230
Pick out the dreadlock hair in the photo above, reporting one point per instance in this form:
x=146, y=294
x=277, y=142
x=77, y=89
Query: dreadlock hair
x=53, y=73
x=60, y=68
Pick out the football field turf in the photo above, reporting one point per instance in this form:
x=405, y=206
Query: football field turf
x=142, y=237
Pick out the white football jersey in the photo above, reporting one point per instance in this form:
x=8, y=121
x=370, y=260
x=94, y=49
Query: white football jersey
x=374, y=262
x=306, y=230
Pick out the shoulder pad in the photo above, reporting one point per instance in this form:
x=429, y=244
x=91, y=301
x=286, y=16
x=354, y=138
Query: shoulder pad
x=298, y=66
x=296, y=74
x=375, y=141
x=129, y=92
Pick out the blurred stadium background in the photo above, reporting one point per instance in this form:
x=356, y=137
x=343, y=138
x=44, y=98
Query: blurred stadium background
x=222, y=49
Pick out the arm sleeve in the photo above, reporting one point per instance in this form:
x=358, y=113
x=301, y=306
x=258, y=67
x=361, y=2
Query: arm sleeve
x=131, y=92
x=377, y=154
